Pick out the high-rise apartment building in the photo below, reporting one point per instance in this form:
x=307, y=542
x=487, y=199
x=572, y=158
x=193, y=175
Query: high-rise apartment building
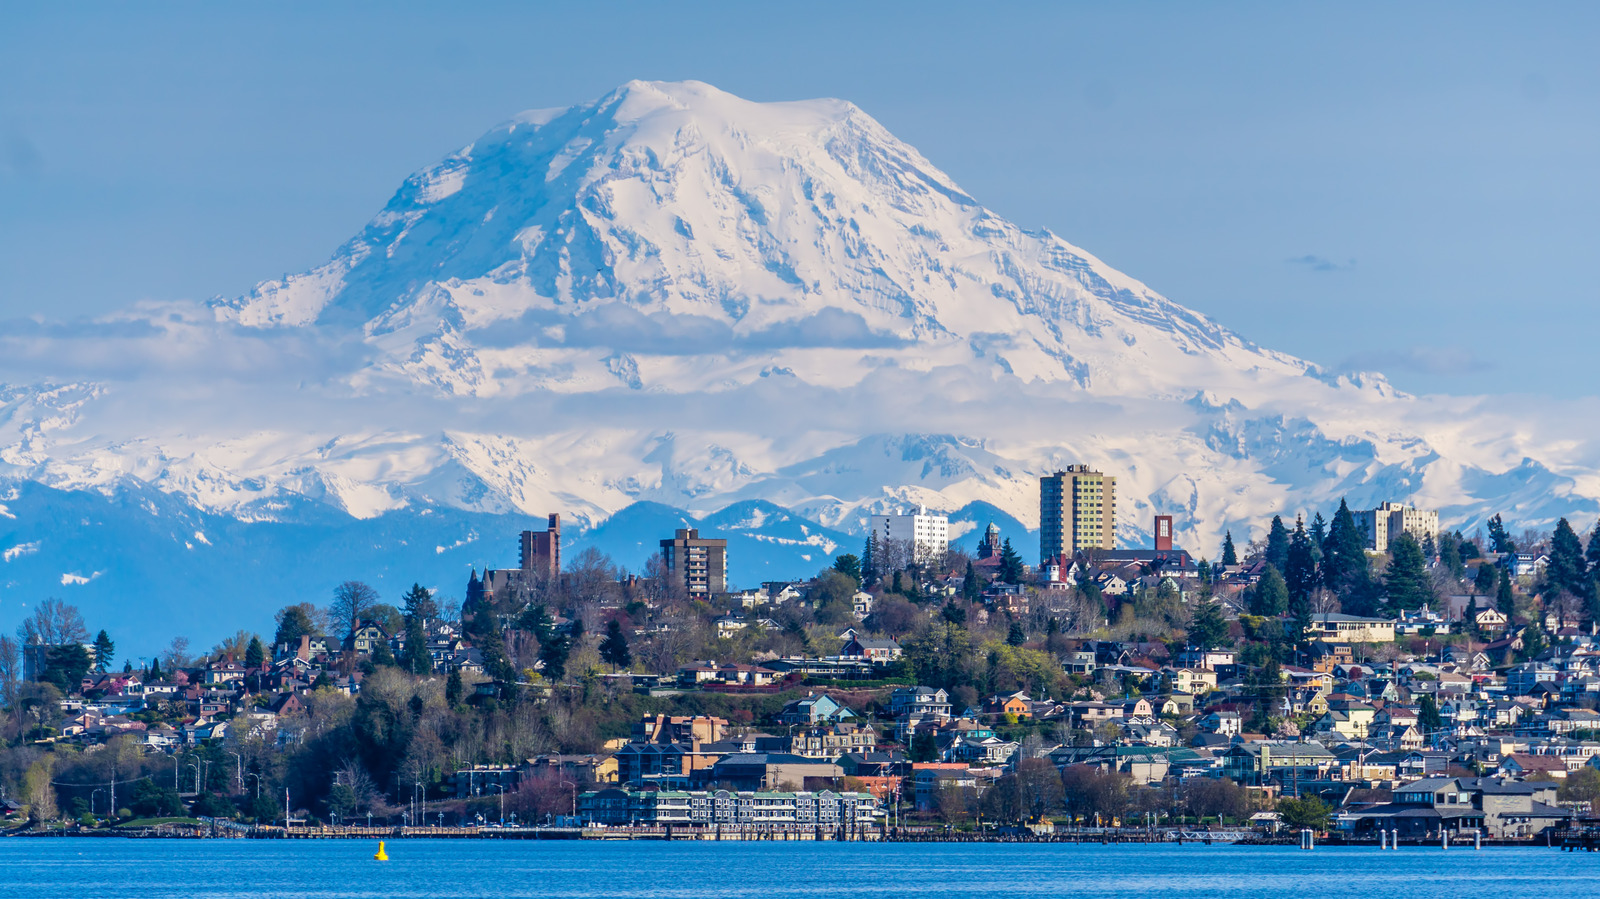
x=1077, y=512
x=926, y=536
x=701, y=565
x=1389, y=520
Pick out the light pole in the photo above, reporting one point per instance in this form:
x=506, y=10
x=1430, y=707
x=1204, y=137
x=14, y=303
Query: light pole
x=502, y=791
x=196, y=766
x=568, y=783
x=238, y=776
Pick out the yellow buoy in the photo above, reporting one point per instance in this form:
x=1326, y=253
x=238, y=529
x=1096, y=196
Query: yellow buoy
x=381, y=856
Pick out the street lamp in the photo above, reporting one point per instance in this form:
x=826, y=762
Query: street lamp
x=568, y=783
x=502, y=791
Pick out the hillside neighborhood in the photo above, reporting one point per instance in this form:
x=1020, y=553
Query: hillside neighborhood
x=1369, y=675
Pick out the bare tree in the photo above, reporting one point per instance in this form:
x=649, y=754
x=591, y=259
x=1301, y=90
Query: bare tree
x=351, y=600
x=177, y=654
x=10, y=670
x=53, y=623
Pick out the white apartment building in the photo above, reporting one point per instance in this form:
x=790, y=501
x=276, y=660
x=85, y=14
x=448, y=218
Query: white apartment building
x=928, y=535
x=1391, y=519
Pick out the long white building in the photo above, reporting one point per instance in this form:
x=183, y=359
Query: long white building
x=928, y=535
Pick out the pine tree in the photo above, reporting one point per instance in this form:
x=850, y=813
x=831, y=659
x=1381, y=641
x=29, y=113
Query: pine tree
x=971, y=590
x=1300, y=575
x=1278, y=545
x=1504, y=600
x=1271, y=596
x=1450, y=554
x=1592, y=553
x=1499, y=540
x=1319, y=531
x=1428, y=717
x=155, y=670
x=1010, y=564
x=1016, y=636
x=553, y=653
x=870, y=561
x=1344, y=555
x=453, y=688
x=1406, y=584
x=1229, y=556
x=1208, y=629
x=417, y=660
x=255, y=655
x=614, y=648
x=1485, y=580
x=1567, y=569
x=849, y=564
x=104, y=650
x=419, y=603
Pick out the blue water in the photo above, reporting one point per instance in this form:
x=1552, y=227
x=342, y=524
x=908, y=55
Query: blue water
x=151, y=869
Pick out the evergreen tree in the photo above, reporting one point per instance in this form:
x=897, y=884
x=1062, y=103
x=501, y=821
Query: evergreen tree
x=1592, y=553
x=1486, y=580
x=553, y=653
x=1208, y=629
x=614, y=648
x=1301, y=574
x=294, y=622
x=1229, y=556
x=1406, y=584
x=382, y=654
x=1016, y=636
x=924, y=746
x=419, y=603
x=453, y=688
x=1271, y=596
x=849, y=564
x=1450, y=554
x=155, y=670
x=1504, y=600
x=255, y=655
x=870, y=560
x=1344, y=555
x=1428, y=717
x=971, y=590
x=323, y=681
x=104, y=651
x=1278, y=545
x=416, y=659
x=1319, y=531
x=1010, y=564
x=1204, y=569
x=1567, y=569
x=1499, y=540
x=537, y=622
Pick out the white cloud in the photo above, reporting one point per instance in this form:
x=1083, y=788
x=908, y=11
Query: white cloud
x=21, y=549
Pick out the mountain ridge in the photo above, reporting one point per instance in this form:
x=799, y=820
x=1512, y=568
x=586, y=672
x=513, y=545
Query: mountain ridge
x=672, y=295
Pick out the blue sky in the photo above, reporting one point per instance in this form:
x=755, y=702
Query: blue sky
x=1412, y=190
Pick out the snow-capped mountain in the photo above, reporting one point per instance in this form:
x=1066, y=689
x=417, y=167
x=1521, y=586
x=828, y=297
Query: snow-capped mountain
x=674, y=296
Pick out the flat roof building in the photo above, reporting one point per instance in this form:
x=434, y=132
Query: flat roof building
x=699, y=564
x=1077, y=512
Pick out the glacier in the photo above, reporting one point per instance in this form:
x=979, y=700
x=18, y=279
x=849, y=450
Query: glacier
x=673, y=304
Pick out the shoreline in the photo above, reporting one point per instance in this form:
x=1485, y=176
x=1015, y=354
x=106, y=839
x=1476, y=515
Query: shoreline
x=745, y=834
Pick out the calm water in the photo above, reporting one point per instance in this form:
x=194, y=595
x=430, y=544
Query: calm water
x=76, y=868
